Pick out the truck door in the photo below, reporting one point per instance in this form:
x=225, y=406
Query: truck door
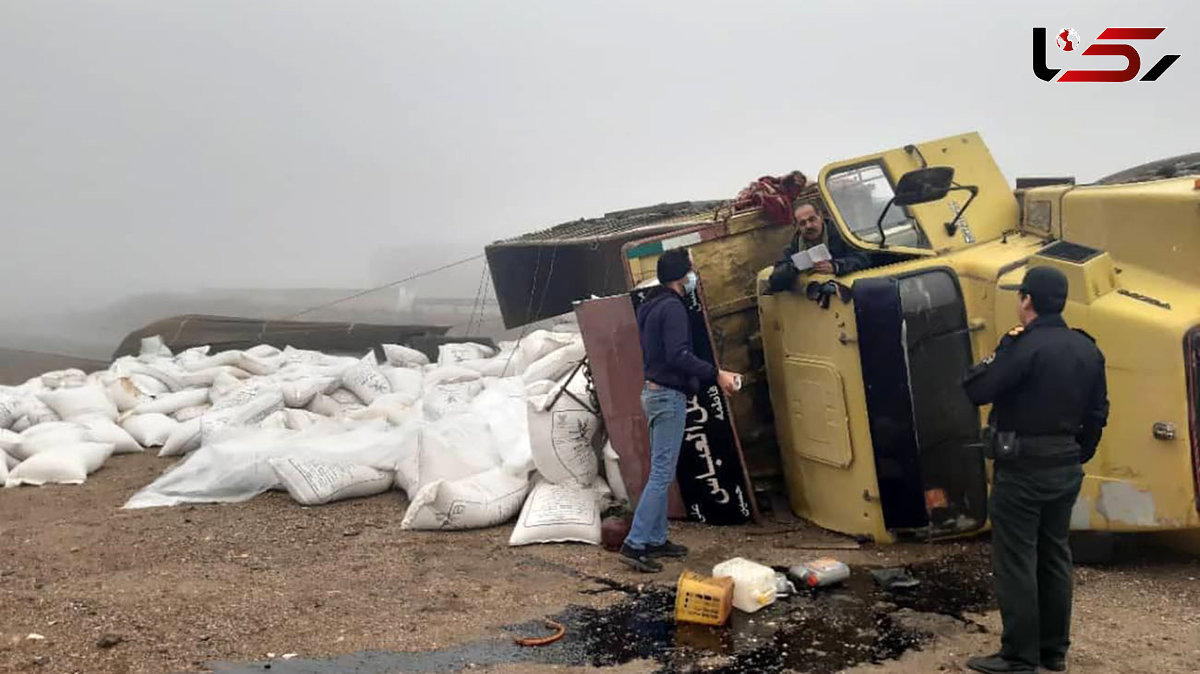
x=914, y=347
x=856, y=191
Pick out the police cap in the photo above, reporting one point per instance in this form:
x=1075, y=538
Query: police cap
x=1047, y=286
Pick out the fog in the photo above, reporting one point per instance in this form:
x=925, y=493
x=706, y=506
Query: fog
x=165, y=148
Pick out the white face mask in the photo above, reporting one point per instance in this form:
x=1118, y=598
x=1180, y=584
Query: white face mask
x=690, y=283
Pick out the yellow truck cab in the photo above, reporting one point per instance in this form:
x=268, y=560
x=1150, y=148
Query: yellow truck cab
x=875, y=434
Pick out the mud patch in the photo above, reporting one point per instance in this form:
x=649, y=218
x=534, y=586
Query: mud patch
x=821, y=632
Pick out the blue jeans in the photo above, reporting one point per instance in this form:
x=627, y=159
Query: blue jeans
x=666, y=410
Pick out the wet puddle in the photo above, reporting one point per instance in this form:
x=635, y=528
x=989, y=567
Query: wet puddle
x=821, y=633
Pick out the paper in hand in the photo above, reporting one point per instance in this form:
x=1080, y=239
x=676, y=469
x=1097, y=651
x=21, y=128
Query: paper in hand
x=805, y=259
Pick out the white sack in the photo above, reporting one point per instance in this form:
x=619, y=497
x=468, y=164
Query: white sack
x=206, y=378
x=101, y=378
x=396, y=408
x=78, y=402
x=11, y=409
x=293, y=355
x=317, y=482
x=612, y=473
x=515, y=358
x=366, y=381
x=71, y=378
x=449, y=354
x=148, y=385
x=258, y=366
x=557, y=364
x=237, y=468
x=502, y=406
x=482, y=500
x=276, y=419
x=100, y=429
x=223, y=385
x=219, y=360
x=298, y=420
x=538, y=388
x=189, y=413
x=453, y=449
x=449, y=399
x=37, y=412
x=299, y=393
x=558, y=513
x=263, y=351
x=150, y=430
x=247, y=406
x=165, y=371
x=3, y=468
x=324, y=406
x=154, y=347
x=196, y=354
x=125, y=394
x=449, y=374
x=561, y=437
x=183, y=439
x=403, y=356
x=345, y=397
x=9, y=442
x=171, y=403
x=405, y=382
x=49, y=436
x=70, y=464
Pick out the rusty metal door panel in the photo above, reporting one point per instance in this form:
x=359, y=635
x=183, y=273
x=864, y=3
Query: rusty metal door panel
x=610, y=336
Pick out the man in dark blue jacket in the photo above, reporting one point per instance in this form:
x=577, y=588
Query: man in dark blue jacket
x=812, y=230
x=672, y=373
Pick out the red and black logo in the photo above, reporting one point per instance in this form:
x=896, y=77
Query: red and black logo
x=1067, y=40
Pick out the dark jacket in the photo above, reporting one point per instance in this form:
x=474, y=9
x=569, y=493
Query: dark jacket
x=666, y=336
x=1045, y=380
x=846, y=260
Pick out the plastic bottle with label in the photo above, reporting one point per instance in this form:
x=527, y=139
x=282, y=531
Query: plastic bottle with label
x=821, y=572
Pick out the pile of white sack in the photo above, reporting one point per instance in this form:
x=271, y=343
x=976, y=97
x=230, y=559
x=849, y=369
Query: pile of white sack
x=474, y=439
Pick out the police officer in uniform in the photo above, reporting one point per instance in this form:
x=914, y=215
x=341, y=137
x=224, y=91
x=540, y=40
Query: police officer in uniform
x=1049, y=399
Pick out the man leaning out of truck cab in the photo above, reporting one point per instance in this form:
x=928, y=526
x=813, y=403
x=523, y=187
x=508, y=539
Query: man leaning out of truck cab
x=812, y=230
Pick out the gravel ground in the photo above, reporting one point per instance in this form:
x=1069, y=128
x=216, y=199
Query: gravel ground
x=173, y=589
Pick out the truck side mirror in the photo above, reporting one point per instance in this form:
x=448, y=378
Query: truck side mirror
x=924, y=185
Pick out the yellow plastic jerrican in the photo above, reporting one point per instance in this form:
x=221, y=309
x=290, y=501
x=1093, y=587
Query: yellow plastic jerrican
x=703, y=599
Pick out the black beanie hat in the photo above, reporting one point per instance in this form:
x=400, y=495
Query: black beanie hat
x=673, y=265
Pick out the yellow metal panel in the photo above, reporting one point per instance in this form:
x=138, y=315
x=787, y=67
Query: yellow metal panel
x=993, y=212
x=843, y=499
x=1153, y=225
x=818, y=412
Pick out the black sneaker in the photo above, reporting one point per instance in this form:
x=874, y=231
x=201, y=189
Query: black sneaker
x=1054, y=663
x=639, y=559
x=667, y=549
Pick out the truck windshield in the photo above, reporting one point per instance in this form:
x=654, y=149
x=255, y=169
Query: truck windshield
x=860, y=193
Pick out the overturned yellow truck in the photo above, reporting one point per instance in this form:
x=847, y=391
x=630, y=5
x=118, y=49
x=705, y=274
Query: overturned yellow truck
x=854, y=392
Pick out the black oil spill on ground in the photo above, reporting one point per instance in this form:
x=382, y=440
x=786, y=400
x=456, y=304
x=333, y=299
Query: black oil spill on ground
x=820, y=633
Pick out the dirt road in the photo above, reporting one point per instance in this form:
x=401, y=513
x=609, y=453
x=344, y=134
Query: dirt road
x=179, y=589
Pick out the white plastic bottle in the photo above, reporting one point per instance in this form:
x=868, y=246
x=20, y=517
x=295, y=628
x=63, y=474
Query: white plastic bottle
x=753, y=583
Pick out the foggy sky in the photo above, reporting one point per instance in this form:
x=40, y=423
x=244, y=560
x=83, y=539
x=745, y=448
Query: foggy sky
x=150, y=146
